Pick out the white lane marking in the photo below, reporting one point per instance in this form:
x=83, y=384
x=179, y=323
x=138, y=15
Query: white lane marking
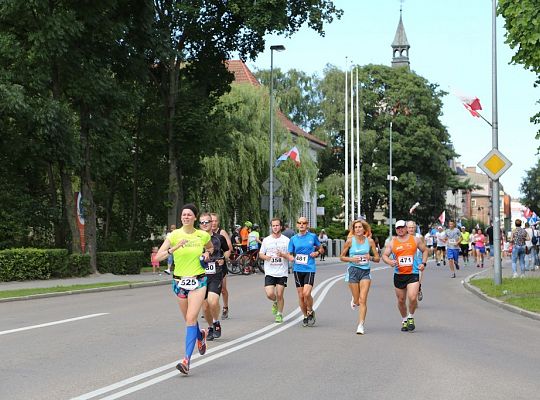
x=64, y=321
x=158, y=370
x=144, y=375
x=205, y=360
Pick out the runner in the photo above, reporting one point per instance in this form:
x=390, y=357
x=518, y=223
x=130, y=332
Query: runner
x=479, y=240
x=226, y=242
x=453, y=237
x=429, y=243
x=189, y=284
x=464, y=245
x=276, y=266
x=406, y=272
x=356, y=252
x=411, y=230
x=214, y=275
x=303, y=248
x=440, y=238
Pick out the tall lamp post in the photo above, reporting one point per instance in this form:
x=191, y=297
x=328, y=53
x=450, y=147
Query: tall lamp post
x=390, y=178
x=277, y=47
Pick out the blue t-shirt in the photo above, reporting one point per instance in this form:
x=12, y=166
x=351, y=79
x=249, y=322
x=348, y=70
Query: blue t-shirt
x=302, y=246
x=360, y=249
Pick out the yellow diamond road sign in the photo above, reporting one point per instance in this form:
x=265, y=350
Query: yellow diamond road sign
x=494, y=164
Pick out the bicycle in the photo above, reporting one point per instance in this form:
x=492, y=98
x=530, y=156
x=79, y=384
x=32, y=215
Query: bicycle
x=252, y=262
x=235, y=262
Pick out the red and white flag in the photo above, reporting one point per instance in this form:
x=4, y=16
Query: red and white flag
x=471, y=103
x=442, y=217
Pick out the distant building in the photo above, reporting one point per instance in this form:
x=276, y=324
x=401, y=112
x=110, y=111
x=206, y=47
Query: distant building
x=400, y=47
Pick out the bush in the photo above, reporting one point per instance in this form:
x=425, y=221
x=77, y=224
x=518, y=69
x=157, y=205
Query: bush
x=31, y=264
x=78, y=265
x=121, y=262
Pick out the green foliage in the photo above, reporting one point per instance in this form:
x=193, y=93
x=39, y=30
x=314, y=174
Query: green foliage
x=522, y=23
x=530, y=187
x=233, y=174
x=77, y=265
x=31, y=264
x=121, y=262
x=380, y=233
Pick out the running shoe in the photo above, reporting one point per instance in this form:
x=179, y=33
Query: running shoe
x=420, y=295
x=305, y=322
x=217, y=330
x=438, y=264
x=457, y=266
x=210, y=335
x=453, y=275
x=167, y=271
x=279, y=318
x=201, y=344
x=311, y=318
x=360, y=329
x=274, y=308
x=225, y=313
x=410, y=324
x=404, y=326
x=444, y=262
x=353, y=304
x=183, y=366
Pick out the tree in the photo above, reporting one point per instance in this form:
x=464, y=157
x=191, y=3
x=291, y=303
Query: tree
x=522, y=23
x=530, y=188
x=193, y=38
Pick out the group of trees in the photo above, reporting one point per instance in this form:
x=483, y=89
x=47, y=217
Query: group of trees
x=119, y=100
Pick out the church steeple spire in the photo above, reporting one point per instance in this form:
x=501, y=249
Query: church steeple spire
x=400, y=46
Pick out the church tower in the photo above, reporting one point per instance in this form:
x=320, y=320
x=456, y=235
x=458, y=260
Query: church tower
x=400, y=47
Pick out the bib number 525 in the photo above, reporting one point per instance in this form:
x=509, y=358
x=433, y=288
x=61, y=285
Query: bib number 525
x=188, y=283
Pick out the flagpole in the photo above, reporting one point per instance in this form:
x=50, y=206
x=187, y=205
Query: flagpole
x=352, y=147
x=495, y=212
x=345, y=147
x=358, y=164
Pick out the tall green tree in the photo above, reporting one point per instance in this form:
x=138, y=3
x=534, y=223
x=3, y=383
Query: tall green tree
x=522, y=23
x=193, y=36
x=530, y=188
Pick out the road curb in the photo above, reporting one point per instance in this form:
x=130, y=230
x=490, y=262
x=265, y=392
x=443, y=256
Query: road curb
x=135, y=285
x=498, y=303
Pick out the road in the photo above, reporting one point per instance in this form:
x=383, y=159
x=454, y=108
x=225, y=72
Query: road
x=125, y=344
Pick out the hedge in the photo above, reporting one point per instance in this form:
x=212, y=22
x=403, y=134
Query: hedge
x=33, y=264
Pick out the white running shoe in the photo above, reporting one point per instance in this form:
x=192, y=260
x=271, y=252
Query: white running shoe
x=360, y=329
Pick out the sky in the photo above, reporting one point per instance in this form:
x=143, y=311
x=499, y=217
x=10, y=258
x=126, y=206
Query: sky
x=450, y=46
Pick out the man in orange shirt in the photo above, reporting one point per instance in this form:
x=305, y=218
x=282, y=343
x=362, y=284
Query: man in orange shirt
x=406, y=271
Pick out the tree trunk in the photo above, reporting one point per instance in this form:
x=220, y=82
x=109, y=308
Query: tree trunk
x=58, y=227
x=69, y=209
x=134, y=197
x=90, y=229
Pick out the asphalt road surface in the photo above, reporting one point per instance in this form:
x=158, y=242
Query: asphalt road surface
x=125, y=344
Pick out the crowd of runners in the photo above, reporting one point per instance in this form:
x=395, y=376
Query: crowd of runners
x=197, y=261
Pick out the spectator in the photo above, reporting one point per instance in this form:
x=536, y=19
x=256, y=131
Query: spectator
x=323, y=238
x=519, y=237
x=288, y=231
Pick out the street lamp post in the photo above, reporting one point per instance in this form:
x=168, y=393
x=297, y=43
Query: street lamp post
x=271, y=179
x=391, y=178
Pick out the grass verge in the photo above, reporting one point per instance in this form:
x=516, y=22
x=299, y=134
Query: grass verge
x=57, y=289
x=523, y=293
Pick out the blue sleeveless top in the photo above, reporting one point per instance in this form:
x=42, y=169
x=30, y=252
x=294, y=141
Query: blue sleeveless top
x=360, y=249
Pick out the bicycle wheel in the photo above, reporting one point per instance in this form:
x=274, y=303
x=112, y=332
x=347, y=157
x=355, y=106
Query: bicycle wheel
x=234, y=267
x=260, y=265
x=245, y=264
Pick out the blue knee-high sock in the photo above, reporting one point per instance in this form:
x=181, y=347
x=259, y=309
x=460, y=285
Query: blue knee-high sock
x=191, y=338
x=199, y=334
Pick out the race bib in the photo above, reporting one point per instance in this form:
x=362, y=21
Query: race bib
x=405, y=261
x=453, y=242
x=301, y=259
x=188, y=283
x=276, y=260
x=210, y=268
x=364, y=260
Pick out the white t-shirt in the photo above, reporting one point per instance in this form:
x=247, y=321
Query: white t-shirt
x=276, y=266
x=429, y=239
x=528, y=243
x=441, y=239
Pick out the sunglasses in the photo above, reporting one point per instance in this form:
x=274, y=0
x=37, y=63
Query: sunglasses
x=205, y=222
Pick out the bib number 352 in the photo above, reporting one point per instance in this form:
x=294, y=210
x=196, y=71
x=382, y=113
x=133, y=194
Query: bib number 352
x=188, y=283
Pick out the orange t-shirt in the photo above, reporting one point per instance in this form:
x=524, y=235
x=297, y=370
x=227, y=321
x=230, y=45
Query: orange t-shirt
x=244, y=233
x=405, y=252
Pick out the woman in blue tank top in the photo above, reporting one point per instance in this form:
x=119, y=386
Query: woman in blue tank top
x=358, y=252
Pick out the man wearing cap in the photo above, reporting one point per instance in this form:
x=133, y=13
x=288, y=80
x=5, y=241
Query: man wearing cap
x=440, y=238
x=407, y=269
